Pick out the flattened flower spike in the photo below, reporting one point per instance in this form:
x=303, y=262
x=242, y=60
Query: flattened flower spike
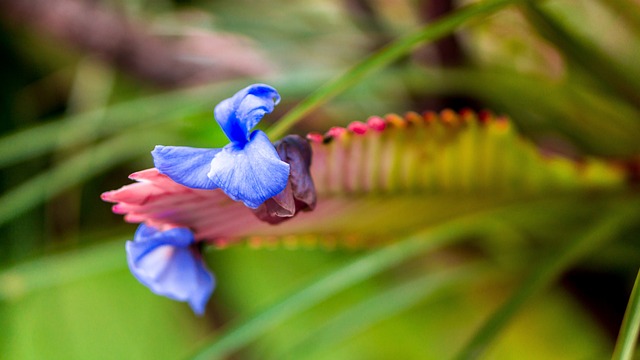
x=248, y=169
x=169, y=264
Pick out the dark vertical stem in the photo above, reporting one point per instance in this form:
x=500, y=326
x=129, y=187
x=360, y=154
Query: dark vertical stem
x=446, y=52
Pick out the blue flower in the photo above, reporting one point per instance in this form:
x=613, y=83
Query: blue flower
x=169, y=263
x=248, y=169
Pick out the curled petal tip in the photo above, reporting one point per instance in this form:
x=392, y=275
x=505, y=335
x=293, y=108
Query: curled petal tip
x=239, y=114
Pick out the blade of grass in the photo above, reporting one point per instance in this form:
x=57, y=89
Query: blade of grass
x=386, y=303
x=384, y=57
x=544, y=275
x=593, y=61
x=628, y=336
x=68, y=173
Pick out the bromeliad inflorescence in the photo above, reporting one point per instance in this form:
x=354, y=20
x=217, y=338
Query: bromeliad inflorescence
x=376, y=180
x=167, y=258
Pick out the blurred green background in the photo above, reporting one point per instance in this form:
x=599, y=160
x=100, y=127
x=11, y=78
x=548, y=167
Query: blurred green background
x=89, y=87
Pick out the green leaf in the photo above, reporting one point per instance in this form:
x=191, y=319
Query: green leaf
x=75, y=170
x=243, y=331
x=545, y=274
x=628, y=336
x=593, y=61
x=543, y=107
x=386, y=303
x=86, y=304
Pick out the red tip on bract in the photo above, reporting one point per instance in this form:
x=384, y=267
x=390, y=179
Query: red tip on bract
x=466, y=113
x=414, y=118
x=358, y=127
x=449, y=117
x=118, y=209
x=501, y=123
x=485, y=116
x=396, y=120
x=107, y=196
x=146, y=174
x=336, y=132
x=429, y=116
x=376, y=123
x=315, y=137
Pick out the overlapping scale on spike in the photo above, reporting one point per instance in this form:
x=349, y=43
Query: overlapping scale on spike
x=377, y=180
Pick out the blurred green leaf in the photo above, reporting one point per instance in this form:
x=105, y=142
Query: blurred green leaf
x=247, y=330
x=597, y=122
x=628, y=337
x=384, y=57
x=70, y=131
x=587, y=56
x=385, y=303
x=76, y=169
x=20, y=281
x=545, y=274
x=84, y=303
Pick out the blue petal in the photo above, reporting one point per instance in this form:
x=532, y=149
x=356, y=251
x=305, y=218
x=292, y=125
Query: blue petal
x=251, y=174
x=241, y=112
x=184, y=165
x=179, y=236
x=167, y=264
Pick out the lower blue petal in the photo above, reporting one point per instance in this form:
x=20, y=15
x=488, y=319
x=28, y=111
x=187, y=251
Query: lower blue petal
x=166, y=263
x=184, y=165
x=251, y=174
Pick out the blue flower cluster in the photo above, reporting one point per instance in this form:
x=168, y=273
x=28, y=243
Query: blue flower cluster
x=248, y=169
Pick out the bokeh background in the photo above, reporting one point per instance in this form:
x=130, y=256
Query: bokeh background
x=89, y=87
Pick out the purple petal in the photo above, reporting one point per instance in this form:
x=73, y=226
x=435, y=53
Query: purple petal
x=184, y=165
x=300, y=193
x=241, y=112
x=168, y=265
x=252, y=173
x=296, y=151
x=278, y=208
